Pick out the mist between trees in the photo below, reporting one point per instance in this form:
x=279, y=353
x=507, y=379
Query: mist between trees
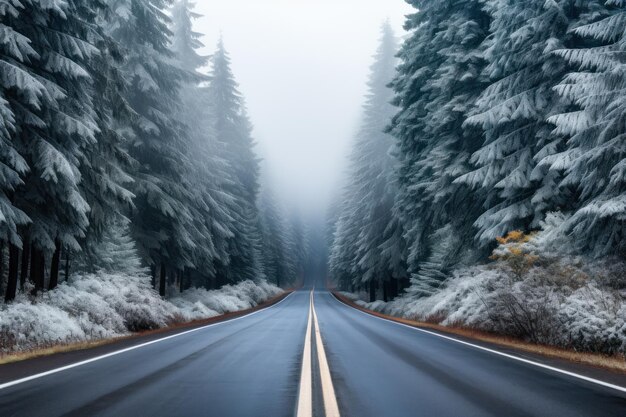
x=119, y=154
x=504, y=113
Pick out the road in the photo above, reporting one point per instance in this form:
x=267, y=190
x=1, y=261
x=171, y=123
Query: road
x=252, y=366
x=384, y=369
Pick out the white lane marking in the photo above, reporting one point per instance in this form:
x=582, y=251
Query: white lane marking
x=506, y=355
x=118, y=352
x=305, y=395
x=328, y=390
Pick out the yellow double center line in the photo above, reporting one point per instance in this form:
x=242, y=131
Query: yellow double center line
x=305, y=397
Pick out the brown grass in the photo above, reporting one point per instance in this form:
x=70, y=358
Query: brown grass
x=616, y=363
x=71, y=347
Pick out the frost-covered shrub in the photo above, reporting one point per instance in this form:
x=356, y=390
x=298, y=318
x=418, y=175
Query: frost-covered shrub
x=95, y=316
x=25, y=325
x=132, y=297
x=199, y=303
x=103, y=305
x=595, y=320
x=536, y=289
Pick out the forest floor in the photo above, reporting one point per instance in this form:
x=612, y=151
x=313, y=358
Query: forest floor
x=136, y=336
x=614, y=363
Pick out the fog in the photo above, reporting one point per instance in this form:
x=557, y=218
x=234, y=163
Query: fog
x=302, y=66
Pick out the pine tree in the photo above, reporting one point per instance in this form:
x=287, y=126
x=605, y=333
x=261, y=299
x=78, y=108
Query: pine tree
x=232, y=130
x=49, y=89
x=275, y=251
x=107, y=167
x=594, y=162
x=205, y=176
x=115, y=251
x=368, y=200
x=437, y=84
x=162, y=223
x=513, y=112
x=15, y=82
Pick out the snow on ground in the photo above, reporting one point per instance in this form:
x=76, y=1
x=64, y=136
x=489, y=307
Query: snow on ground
x=105, y=305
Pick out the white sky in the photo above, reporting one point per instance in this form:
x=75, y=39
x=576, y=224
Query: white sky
x=302, y=66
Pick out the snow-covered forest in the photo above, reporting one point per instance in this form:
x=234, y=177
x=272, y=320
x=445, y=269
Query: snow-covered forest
x=493, y=192
x=126, y=151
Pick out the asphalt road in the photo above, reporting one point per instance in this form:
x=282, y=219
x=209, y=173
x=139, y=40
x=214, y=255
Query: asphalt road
x=245, y=367
x=251, y=367
x=384, y=369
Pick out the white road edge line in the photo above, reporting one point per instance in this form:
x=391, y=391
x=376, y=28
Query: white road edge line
x=305, y=393
x=328, y=390
x=495, y=352
x=118, y=352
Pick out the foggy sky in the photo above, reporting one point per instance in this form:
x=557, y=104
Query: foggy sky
x=302, y=66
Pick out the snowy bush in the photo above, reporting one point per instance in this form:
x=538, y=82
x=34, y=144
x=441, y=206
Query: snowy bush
x=199, y=303
x=536, y=289
x=105, y=305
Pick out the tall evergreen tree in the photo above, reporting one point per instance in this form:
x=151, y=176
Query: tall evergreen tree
x=594, y=160
x=437, y=83
x=48, y=87
x=275, y=255
x=368, y=201
x=513, y=112
x=208, y=204
x=161, y=223
x=107, y=167
x=232, y=130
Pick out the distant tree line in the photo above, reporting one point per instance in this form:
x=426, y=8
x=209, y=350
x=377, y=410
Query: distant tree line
x=505, y=111
x=113, y=140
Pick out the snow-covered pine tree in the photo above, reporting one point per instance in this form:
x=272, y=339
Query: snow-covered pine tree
x=437, y=84
x=275, y=256
x=368, y=200
x=342, y=262
x=205, y=176
x=513, y=112
x=232, y=130
x=115, y=251
x=50, y=92
x=162, y=223
x=107, y=167
x=15, y=82
x=594, y=161
x=298, y=249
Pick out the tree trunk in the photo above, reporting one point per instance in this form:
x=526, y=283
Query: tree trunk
x=33, y=267
x=372, y=291
x=67, y=264
x=153, y=275
x=14, y=255
x=181, y=281
x=25, y=261
x=54, y=266
x=386, y=291
x=393, y=288
x=162, y=280
x=37, y=269
x=1, y=262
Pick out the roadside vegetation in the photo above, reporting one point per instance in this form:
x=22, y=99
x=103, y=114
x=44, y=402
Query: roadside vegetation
x=101, y=306
x=531, y=290
x=130, y=194
x=498, y=200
